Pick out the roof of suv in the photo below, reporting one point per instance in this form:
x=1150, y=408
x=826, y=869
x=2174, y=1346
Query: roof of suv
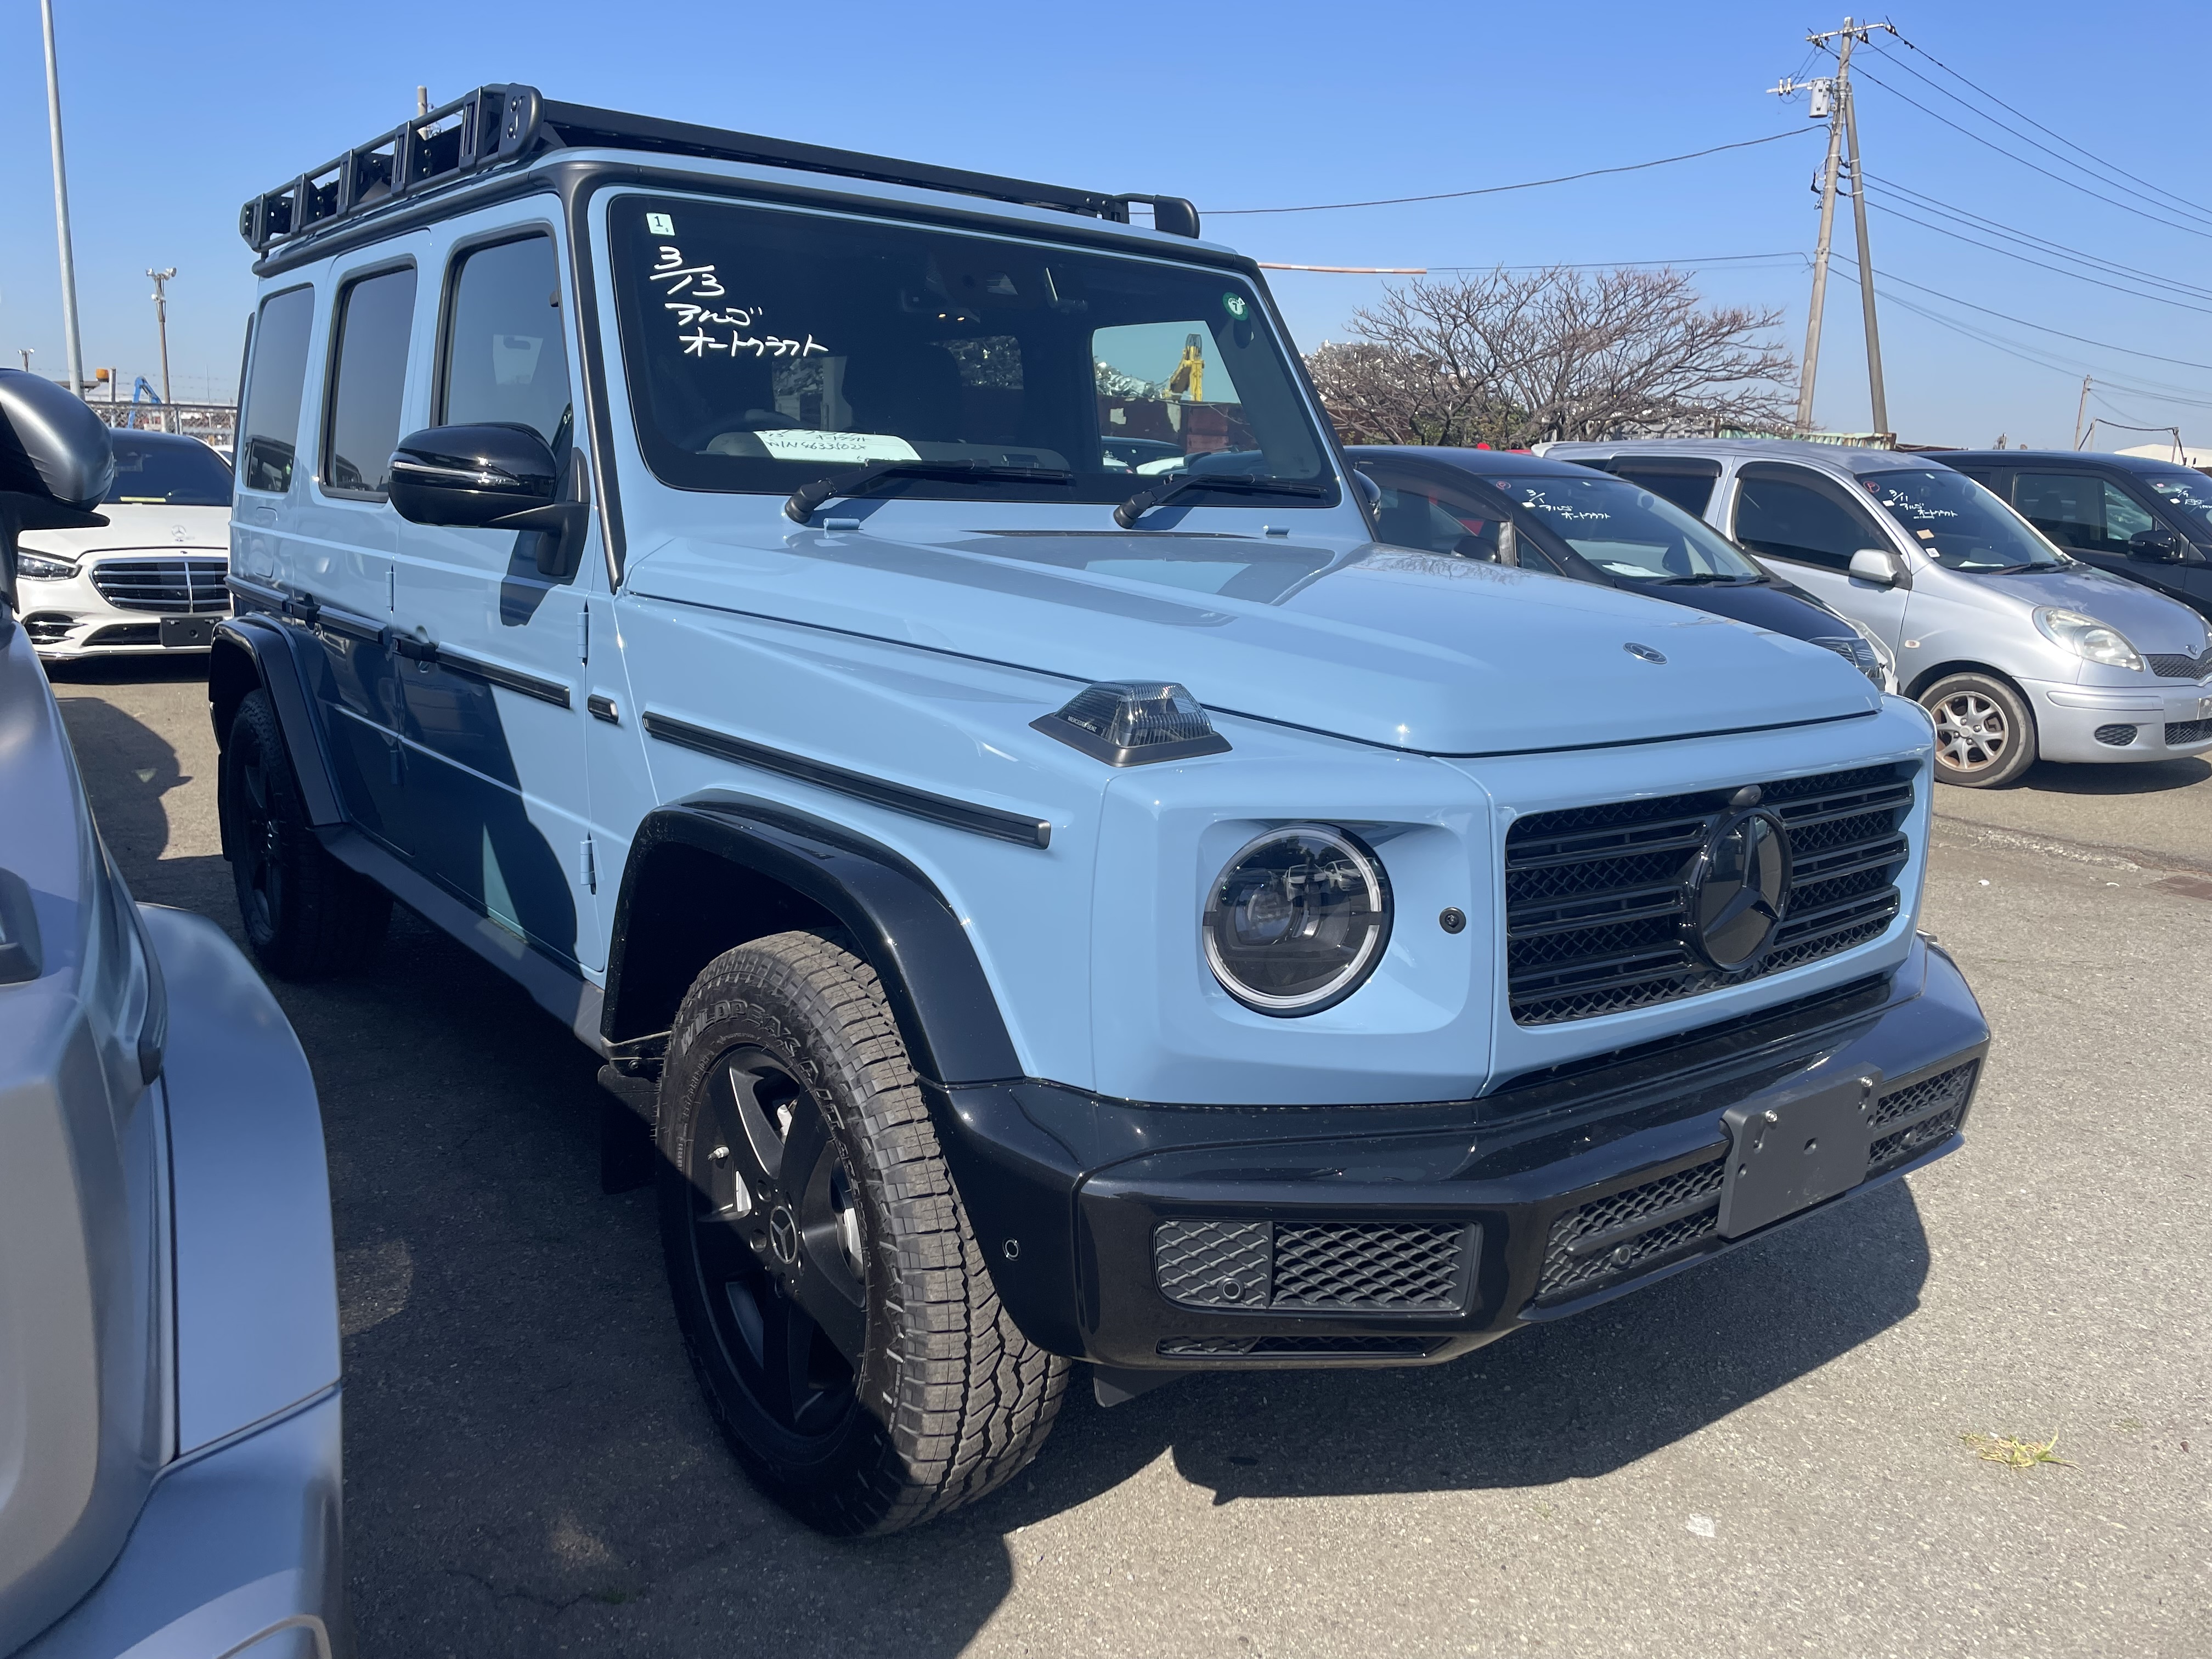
x=2146, y=464
x=1839, y=456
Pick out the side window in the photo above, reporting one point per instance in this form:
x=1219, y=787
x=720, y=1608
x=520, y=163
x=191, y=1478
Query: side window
x=2078, y=510
x=1688, y=484
x=274, y=386
x=368, y=373
x=506, y=354
x=1790, y=512
x=1416, y=512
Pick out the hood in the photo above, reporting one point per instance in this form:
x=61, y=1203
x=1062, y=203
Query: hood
x=1775, y=605
x=1410, y=650
x=142, y=529
x=2150, y=621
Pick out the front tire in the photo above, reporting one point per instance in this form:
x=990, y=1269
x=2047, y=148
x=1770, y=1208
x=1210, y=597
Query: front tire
x=832, y=1296
x=1984, y=731
x=306, y=915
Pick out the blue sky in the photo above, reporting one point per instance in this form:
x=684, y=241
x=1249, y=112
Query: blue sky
x=175, y=114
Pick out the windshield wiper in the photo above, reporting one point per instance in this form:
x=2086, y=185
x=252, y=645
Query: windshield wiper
x=1238, y=484
x=1708, y=578
x=804, y=500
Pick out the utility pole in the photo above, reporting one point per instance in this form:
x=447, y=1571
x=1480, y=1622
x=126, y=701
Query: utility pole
x=1832, y=98
x=1875, y=391
x=421, y=102
x=61, y=206
x=2080, y=409
x=162, y=319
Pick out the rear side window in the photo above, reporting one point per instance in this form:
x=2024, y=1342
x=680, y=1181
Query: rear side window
x=1788, y=512
x=2078, y=510
x=274, y=387
x=375, y=317
x=1688, y=484
x=506, y=358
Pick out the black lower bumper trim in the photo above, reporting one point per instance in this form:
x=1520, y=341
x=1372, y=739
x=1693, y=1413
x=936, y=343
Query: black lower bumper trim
x=1143, y=1236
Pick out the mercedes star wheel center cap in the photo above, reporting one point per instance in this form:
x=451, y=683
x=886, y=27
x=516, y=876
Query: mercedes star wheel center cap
x=1736, y=888
x=783, y=1235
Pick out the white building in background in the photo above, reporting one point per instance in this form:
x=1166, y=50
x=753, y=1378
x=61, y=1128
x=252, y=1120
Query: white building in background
x=2187, y=454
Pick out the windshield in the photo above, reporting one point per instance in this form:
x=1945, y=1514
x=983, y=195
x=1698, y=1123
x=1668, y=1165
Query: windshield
x=1627, y=531
x=768, y=349
x=1960, y=524
x=181, y=472
x=2190, y=496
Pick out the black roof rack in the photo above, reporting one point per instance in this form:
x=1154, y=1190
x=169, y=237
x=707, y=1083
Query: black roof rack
x=512, y=123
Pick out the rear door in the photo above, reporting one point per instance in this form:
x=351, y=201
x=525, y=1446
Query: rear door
x=1807, y=525
x=495, y=706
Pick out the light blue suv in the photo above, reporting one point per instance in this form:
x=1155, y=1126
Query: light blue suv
x=894, y=660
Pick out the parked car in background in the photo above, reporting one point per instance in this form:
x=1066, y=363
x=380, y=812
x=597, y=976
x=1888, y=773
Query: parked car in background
x=169, y=1459
x=151, y=577
x=1572, y=520
x=2017, y=650
x=2145, y=519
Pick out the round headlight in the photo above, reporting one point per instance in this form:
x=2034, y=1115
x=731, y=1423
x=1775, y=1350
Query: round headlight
x=1297, y=920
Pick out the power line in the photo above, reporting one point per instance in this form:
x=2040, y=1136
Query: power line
x=2070, y=184
x=1494, y=190
x=2159, y=192
x=1935, y=205
x=2079, y=276
x=1789, y=254
x=2081, y=339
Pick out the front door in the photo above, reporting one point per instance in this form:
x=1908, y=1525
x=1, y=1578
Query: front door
x=494, y=693
x=2100, y=520
x=1809, y=526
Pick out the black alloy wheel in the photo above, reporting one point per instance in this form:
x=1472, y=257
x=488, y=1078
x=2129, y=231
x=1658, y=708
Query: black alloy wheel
x=775, y=1247
x=306, y=915
x=833, y=1297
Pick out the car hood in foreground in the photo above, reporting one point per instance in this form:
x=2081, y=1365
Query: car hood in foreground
x=1784, y=609
x=1379, y=644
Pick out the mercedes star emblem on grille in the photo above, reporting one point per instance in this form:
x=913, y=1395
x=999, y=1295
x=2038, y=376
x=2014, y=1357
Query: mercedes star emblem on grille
x=1733, y=892
x=1644, y=652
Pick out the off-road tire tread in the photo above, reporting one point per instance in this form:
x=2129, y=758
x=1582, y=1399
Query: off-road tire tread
x=335, y=918
x=955, y=1399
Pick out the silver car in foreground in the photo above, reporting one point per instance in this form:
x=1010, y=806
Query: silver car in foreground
x=169, y=1473
x=2017, y=650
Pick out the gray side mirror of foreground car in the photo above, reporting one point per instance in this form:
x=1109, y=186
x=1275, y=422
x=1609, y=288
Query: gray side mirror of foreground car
x=1874, y=564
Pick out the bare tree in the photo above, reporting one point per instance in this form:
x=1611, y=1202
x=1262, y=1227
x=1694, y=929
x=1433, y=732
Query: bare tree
x=1511, y=359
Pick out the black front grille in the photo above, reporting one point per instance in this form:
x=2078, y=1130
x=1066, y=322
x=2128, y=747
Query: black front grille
x=181, y=586
x=1304, y=1267
x=2119, y=736
x=2180, y=665
x=2181, y=732
x=127, y=634
x=1595, y=896
x=1603, y=1243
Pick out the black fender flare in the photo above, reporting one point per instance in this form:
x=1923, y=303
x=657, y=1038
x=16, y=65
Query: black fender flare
x=900, y=925
x=269, y=650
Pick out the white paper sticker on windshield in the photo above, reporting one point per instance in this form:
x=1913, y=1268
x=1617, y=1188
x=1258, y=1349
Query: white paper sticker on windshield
x=659, y=224
x=799, y=444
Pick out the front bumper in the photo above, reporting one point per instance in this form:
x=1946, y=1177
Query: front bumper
x=1177, y=1238
x=71, y=618
x=2161, y=720
x=236, y=1552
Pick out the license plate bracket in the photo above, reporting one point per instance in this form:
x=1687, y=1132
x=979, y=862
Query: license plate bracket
x=187, y=632
x=1786, y=1155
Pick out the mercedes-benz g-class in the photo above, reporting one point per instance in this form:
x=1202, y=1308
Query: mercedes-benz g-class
x=896, y=660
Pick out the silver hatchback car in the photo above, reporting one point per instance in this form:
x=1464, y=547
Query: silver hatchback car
x=2018, y=650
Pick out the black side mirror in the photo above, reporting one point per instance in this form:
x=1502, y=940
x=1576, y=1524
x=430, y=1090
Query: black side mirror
x=56, y=466
x=495, y=477
x=2159, y=546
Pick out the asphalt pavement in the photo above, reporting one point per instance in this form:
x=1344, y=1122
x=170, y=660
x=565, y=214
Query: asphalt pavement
x=1763, y=1457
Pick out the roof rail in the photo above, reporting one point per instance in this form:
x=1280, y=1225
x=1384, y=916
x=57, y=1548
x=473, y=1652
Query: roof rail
x=497, y=123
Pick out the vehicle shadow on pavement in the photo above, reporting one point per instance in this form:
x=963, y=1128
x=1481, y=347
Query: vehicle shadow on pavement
x=2143, y=778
